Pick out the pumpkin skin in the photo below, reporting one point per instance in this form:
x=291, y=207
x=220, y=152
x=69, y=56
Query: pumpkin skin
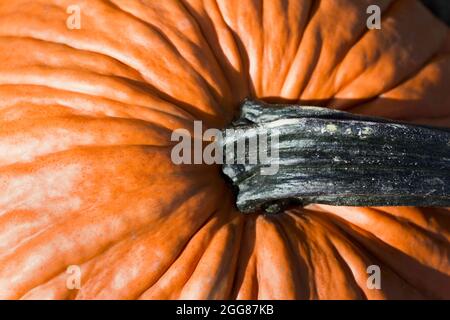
x=85, y=171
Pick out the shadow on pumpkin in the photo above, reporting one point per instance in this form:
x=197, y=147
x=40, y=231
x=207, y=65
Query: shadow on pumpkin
x=408, y=110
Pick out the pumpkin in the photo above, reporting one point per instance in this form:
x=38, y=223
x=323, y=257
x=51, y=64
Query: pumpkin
x=86, y=177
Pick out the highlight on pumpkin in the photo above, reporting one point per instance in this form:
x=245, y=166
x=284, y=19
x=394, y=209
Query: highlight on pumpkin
x=224, y=150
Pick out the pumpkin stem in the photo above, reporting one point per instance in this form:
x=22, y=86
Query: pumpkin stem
x=318, y=155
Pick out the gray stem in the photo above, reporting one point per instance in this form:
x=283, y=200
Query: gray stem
x=334, y=157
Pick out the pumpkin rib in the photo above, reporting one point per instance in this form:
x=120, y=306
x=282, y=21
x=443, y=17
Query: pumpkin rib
x=435, y=234
x=100, y=149
x=368, y=239
x=216, y=229
x=220, y=265
x=58, y=222
x=49, y=40
x=249, y=36
x=415, y=233
x=88, y=268
x=359, y=105
x=283, y=23
x=332, y=245
x=313, y=7
x=242, y=52
x=14, y=114
x=24, y=237
x=434, y=220
x=259, y=83
x=347, y=228
x=206, y=230
x=410, y=109
x=341, y=263
x=302, y=257
x=310, y=87
x=201, y=70
x=83, y=59
x=385, y=8
x=174, y=258
x=224, y=100
x=276, y=276
x=286, y=231
x=329, y=276
x=81, y=213
x=345, y=265
x=122, y=94
x=60, y=219
x=77, y=50
x=408, y=58
x=118, y=96
x=219, y=99
x=202, y=96
x=105, y=103
x=366, y=254
x=210, y=47
x=243, y=58
x=245, y=284
x=116, y=243
x=55, y=289
x=216, y=105
x=313, y=78
x=137, y=77
x=23, y=138
x=394, y=278
x=302, y=240
x=209, y=18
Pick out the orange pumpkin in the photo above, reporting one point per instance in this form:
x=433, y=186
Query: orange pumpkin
x=86, y=177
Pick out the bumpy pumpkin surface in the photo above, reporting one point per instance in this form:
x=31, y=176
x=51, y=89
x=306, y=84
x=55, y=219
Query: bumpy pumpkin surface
x=86, y=177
